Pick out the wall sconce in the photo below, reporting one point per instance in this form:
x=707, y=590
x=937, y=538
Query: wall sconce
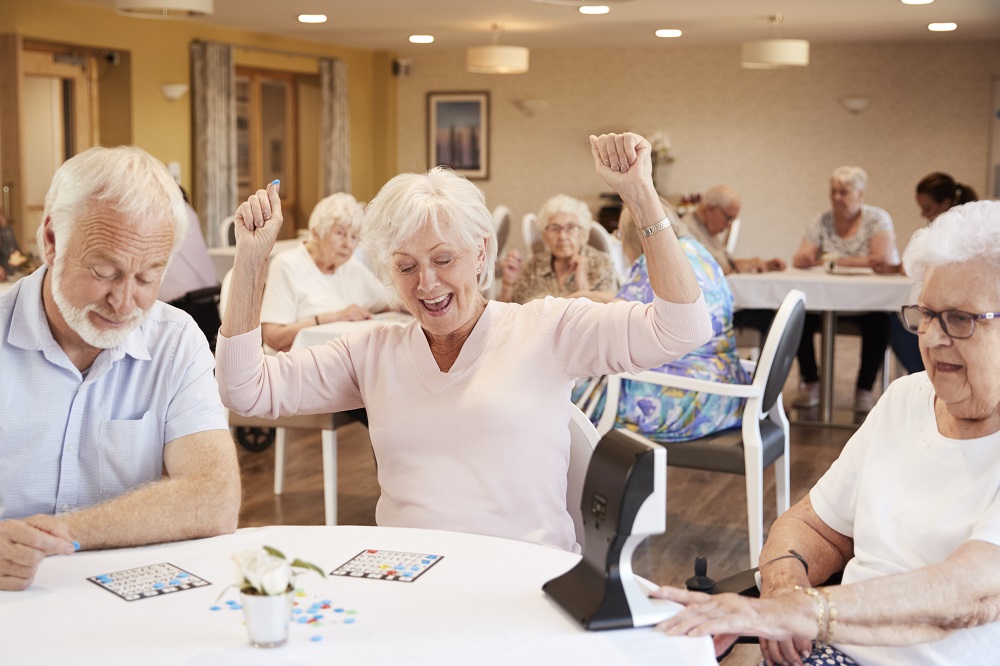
x=855, y=104
x=531, y=107
x=173, y=91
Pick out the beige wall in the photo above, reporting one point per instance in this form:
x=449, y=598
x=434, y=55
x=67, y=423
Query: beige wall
x=774, y=135
x=159, y=54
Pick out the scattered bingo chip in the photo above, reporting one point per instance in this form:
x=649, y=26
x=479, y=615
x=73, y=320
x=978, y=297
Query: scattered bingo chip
x=149, y=581
x=387, y=565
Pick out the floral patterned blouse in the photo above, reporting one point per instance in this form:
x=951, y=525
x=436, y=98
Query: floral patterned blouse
x=538, y=279
x=674, y=415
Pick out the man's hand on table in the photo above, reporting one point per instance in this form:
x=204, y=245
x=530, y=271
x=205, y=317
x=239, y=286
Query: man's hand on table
x=25, y=543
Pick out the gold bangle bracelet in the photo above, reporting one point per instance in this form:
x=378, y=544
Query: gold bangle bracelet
x=822, y=624
x=831, y=614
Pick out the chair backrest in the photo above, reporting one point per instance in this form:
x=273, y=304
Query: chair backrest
x=599, y=239
x=224, y=293
x=780, y=347
x=531, y=235
x=583, y=437
x=733, y=237
x=227, y=232
x=501, y=224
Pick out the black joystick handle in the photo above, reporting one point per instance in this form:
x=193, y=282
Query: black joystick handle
x=700, y=582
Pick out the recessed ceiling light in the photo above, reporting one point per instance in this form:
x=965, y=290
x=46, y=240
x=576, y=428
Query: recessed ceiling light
x=421, y=39
x=594, y=9
x=917, y=2
x=942, y=27
x=312, y=18
x=669, y=32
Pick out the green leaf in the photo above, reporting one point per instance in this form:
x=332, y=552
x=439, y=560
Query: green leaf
x=309, y=566
x=274, y=551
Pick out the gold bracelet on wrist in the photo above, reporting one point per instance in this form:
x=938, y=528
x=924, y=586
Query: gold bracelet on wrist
x=822, y=623
x=831, y=614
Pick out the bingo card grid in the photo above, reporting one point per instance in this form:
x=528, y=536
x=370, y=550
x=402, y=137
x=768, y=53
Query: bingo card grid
x=149, y=581
x=387, y=565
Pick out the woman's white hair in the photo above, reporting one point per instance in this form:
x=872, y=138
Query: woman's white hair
x=440, y=198
x=964, y=233
x=126, y=179
x=336, y=210
x=854, y=176
x=566, y=205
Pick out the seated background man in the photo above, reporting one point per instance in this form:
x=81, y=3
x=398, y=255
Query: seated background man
x=113, y=433
x=715, y=213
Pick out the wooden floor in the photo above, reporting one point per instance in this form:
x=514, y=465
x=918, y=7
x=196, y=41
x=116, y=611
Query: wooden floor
x=706, y=512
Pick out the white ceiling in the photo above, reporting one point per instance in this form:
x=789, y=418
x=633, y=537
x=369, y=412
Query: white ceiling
x=386, y=24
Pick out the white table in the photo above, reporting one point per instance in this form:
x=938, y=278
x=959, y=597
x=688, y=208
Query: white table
x=222, y=257
x=828, y=293
x=317, y=335
x=482, y=604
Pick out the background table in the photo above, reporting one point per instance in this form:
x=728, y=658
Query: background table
x=828, y=293
x=482, y=604
x=317, y=335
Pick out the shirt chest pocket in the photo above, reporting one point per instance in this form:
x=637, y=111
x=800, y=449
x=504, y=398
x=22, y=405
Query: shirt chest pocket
x=131, y=453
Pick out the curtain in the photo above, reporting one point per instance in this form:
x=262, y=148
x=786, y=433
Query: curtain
x=213, y=91
x=335, y=154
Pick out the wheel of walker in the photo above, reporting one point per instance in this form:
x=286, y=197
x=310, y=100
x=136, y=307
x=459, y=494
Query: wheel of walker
x=255, y=439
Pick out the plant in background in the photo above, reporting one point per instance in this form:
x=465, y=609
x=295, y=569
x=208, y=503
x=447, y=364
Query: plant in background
x=663, y=152
x=266, y=571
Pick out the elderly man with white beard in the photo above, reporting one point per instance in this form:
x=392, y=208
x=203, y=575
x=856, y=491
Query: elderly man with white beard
x=112, y=432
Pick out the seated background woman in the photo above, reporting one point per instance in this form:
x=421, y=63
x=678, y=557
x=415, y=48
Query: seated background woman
x=567, y=265
x=320, y=281
x=858, y=235
x=669, y=414
x=911, y=510
x=936, y=193
x=469, y=404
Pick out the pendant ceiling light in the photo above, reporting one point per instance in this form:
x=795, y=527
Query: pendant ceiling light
x=775, y=53
x=166, y=8
x=496, y=59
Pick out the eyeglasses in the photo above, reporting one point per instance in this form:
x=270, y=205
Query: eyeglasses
x=955, y=323
x=725, y=214
x=555, y=229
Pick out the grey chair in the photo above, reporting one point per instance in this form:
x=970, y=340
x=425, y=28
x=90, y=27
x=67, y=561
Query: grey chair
x=761, y=440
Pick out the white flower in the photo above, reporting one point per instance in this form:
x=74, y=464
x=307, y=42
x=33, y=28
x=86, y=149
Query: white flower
x=262, y=572
x=662, y=149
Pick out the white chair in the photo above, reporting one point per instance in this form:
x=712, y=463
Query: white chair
x=501, y=224
x=326, y=423
x=601, y=240
x=583, y=437
x=531, y=235
x=227, y=236
x=733, y=236
x=761, y=440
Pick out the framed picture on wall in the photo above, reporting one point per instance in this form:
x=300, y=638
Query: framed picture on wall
x=458, y=132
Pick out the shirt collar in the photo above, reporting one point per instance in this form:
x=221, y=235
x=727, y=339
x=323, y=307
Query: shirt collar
x=29, y=327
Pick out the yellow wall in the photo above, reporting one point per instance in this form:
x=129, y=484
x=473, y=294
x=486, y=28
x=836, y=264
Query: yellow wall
x=159, y=54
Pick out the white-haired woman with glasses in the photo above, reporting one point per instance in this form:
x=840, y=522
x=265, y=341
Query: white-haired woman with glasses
x=468, y=405
x=850, y=234
x=568, y=266
x=911, y=510
x=320, y=281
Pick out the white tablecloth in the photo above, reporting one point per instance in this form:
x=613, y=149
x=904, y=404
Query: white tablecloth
x=482, y=604
x=824, y=291
x=317, y=335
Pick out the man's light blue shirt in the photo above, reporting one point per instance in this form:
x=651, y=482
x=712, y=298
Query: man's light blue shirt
x=70, y=440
